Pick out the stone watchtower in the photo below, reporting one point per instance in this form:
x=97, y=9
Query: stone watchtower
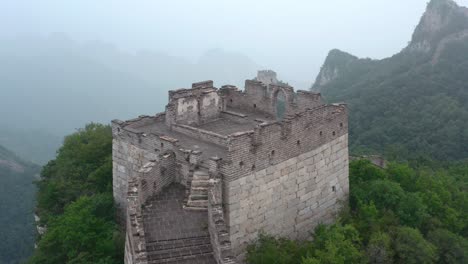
x=267, y=77
x=197, y=183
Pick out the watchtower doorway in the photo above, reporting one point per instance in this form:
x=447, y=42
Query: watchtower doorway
x=280, y=104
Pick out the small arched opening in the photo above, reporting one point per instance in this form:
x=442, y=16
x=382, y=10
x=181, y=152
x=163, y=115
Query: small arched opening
x=279, y=104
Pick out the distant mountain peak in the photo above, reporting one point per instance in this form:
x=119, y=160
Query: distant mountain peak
x=335, y=63
x=441, y=19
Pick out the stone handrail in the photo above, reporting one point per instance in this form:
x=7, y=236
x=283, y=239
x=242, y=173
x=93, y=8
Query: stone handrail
x=135, y=244
x=217, y=226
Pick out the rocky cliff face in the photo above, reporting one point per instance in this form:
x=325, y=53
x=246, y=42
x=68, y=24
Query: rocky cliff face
x=414, y=100
x=443, y=22
x=336, y=62
x=442, y=19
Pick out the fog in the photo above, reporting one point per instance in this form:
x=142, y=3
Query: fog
x=68, y=63
x=292, y=37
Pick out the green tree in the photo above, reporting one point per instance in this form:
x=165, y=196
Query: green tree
x=75, y=202
x=335, y=244
x=411, y=247
x=379, y=250
x=451, y=248
x=85, y=233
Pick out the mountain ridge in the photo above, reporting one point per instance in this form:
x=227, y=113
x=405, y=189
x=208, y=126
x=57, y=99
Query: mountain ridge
x=443, y=22
x=414, y=100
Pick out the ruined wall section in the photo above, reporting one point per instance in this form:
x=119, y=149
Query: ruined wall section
x=135, y=243
x=156, y=175
x=257, y=97
x=308, y=100
x=267, y=77
x=132, y=149
x=219, y=233
x=193, y=106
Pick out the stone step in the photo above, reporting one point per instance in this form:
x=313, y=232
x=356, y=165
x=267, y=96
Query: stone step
x=200, y=183
x=199, y=190
x=192, y=208
x=199, y=259
x=171, y=251
x=176, y=243
x=200, y=172
x=200, y=177
x=195, y=197
x=197, y=203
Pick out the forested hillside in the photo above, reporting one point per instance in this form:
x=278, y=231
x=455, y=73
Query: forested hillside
x=75, y=202
x=397, y=215
x=413, y=104
x=17, y=190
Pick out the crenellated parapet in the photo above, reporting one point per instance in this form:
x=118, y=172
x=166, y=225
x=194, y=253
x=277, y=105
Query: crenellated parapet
x=261, y=98
x=274, y=142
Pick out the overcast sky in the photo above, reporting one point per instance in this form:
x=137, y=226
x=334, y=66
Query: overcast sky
x=292, y=37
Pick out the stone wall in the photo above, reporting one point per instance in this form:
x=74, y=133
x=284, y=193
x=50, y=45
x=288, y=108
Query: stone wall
x=131, y=150
x=219, y=234
x=272, y=143
x=135, y=244
x=193, y=106
x=156, y=175
x=289, y=198
x=257, y=97
x=127, y=159
x=267, y=77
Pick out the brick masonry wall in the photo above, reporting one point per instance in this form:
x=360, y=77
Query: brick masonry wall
x=258, y=97
x=219, y=234
x=135, y=243
x=131, y=150
x=193, y=106
x=154, y=176
x=289, y=198
x=127, y=159
x=273, y=143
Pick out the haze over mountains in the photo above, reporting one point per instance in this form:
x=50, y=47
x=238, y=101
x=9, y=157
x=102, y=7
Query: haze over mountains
x=415, y=102
x=17, y=193
x=55, y=85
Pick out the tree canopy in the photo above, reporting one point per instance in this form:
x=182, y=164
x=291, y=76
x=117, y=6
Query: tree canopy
x=75, y=202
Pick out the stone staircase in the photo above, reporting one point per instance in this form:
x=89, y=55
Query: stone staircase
x=198, y=191
x=194, y=250
x=174, y=234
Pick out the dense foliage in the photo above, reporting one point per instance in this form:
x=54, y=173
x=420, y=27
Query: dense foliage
x=17, y=190
x=411, y=111
x=397, y=215
x=75, y=202
x=410, y=105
